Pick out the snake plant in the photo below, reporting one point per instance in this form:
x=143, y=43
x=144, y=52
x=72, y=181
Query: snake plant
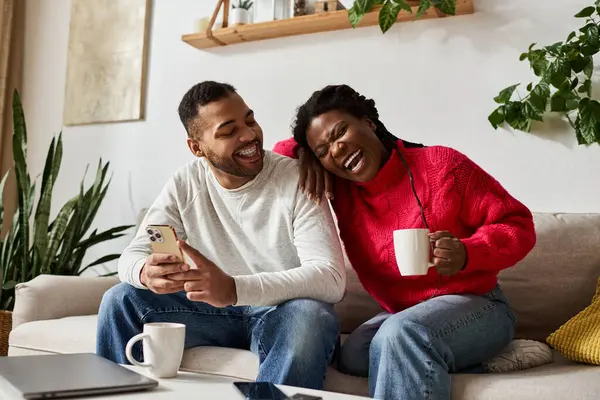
x=34, y=246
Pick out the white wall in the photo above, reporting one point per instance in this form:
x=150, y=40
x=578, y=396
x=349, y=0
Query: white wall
x=433, y=81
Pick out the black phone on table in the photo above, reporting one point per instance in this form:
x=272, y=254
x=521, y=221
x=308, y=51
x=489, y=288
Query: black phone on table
x=268, y=391
x=260, y=391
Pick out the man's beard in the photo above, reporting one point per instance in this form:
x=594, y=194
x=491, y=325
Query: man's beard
x=231, y=167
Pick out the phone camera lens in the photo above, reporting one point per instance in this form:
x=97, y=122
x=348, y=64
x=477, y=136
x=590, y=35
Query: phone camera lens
x=149, y=232
x=152, y=238
x=158, y=235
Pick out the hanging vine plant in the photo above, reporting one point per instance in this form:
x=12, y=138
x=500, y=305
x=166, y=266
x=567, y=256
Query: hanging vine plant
x=390, y=9
x=565, y=71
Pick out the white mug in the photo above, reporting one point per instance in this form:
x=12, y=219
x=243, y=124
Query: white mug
x=163, y=345
x=413, y=251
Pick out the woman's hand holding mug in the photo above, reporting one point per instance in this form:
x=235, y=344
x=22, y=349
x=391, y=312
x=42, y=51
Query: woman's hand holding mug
x=449, y=253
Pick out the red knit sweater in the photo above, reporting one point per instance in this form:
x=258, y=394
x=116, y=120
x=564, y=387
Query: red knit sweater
x=457, y=195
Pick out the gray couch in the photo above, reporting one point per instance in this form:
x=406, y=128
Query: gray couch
x=55, y=314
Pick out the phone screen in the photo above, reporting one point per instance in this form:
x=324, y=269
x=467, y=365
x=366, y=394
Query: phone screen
x=260, y=391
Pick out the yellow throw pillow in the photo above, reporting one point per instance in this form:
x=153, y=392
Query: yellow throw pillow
x=579, y=338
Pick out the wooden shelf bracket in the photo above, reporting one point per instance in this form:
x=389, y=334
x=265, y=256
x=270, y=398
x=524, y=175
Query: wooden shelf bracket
x=209, y=30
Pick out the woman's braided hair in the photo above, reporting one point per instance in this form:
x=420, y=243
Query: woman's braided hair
x=339, y=98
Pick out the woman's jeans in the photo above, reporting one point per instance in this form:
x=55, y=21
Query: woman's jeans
x=410, y=355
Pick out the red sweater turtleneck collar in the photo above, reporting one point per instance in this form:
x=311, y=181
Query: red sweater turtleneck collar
x=392, y=172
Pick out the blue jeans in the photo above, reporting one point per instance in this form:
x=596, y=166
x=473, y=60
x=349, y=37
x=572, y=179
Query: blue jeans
x=411, y=354
x=294, y=341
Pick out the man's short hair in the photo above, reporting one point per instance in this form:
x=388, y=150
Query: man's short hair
x=200, y=95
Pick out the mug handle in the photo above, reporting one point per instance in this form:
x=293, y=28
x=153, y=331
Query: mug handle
x=129, y=348
x=432, y=247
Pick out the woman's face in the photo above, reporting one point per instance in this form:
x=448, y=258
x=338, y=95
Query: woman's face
x=346, y=146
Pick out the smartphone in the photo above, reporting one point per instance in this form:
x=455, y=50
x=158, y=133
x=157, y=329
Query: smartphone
x=163, y=239
x=260, y=391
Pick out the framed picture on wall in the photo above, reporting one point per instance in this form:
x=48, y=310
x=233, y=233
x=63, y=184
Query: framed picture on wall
x=106, y=63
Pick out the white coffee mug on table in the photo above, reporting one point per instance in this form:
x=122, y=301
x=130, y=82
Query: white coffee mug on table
x=413, y=251
x=163, y=345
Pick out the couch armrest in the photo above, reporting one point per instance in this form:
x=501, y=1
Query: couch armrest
x=56, y=296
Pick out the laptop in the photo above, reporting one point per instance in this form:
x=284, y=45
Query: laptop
x=67, y=375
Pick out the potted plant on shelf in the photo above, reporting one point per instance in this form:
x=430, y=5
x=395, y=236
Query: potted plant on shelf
x=46, y=247
x=240, y=13
x=388, y=10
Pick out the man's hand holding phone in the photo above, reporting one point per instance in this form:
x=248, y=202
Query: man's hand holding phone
x=207, y=282
x=155, y=274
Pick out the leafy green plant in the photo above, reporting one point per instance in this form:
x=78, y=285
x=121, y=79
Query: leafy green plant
x=244, y=4
x=565, y=70
x=388, y=13
x=45, y=247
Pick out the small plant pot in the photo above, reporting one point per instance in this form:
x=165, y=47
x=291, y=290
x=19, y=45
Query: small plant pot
x=240, y=16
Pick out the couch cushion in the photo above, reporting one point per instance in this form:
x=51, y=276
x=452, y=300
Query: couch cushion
x=63, y=335
x=78, y=335
x=233, y=363
x=562, y=379
x=559, y=380
x=558, y=278
x=357, y=306
x=44, y=297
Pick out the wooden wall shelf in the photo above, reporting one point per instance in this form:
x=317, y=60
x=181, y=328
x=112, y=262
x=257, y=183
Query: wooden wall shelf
x=314, y=23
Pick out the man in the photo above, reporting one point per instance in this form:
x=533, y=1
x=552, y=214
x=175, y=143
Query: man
x=268, y=261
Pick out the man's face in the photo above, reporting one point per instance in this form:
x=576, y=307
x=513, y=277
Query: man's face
x=226, y=133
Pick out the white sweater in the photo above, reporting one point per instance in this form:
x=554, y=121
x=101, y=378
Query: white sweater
x=277, y=244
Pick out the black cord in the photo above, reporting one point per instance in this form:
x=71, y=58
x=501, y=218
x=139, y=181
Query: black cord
x=412, y=186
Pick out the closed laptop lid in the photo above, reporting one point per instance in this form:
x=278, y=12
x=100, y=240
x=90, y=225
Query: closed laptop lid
x=61, y=375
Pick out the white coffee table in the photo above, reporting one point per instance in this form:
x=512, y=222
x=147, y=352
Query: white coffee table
x=188, y=385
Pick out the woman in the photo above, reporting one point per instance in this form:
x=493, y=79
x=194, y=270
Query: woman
x=455, y=317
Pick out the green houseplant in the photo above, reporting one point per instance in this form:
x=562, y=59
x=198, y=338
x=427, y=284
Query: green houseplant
x=33, y=244
x=389, y=10
x=565, y=71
